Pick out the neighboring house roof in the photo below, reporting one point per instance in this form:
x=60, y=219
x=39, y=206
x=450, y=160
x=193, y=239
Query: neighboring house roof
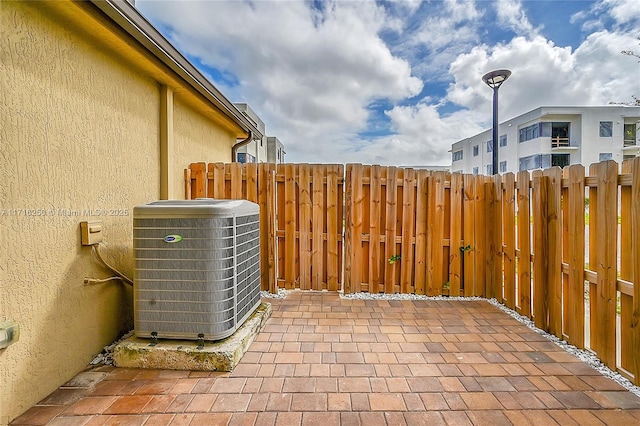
x=129, y=19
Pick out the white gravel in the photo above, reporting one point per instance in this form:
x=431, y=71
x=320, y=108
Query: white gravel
x=106, y=356
x=281, y=294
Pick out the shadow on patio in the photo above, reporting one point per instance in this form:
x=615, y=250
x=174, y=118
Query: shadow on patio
x=325, y=360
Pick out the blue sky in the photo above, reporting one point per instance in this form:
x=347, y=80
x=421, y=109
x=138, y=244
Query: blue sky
x=396, y=83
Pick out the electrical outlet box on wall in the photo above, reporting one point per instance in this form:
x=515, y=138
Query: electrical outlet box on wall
x=91, y=232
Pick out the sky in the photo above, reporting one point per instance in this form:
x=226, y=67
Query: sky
x=397, y=82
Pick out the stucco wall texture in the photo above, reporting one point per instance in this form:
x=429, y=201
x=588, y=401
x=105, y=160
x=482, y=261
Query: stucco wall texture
x=195, y=138
x=79, y=140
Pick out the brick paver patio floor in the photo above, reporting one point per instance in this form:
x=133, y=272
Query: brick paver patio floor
x=322, y=360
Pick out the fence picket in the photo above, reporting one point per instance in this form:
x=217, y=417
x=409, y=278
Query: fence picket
x=435, y=234
x=390, y=230
x=455, y=255
x=606, y=265
x=509, y=231
x=481, y=236
x=217, y=179
x=375, y=212
x=199, y=180
x=290, y=224
x=574, y=311
x=318, y=214
x=524, y=243
x=334, y=226
x=469, y=234
x=540, y=250
x=635, y=261
x=422, y=195
x=305, y=226
x=554, y=249
x=408, y=228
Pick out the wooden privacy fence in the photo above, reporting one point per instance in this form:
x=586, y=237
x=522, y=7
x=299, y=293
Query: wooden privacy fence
x=531, y=240
x=301, y=211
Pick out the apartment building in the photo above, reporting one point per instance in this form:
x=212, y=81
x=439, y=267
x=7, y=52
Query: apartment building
x=263, y=150
x=553, y=136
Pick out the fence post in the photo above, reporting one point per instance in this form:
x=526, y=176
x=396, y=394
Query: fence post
x=635, y=261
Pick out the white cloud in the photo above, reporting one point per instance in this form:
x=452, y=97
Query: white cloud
x=511, y=14
x=545, y=74
x=310, y=73
x=624, y=13
x=313, y=74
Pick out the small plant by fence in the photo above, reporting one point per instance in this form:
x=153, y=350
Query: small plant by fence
x=527, y=240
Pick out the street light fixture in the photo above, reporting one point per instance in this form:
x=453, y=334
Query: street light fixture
x=494, y=79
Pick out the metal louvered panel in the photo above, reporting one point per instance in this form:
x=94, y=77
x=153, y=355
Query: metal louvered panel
x=197, y=267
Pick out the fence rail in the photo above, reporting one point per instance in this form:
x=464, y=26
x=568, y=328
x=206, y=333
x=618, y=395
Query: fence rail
x=533, y=240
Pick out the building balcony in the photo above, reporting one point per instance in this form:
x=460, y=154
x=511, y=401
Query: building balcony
x=558, y=142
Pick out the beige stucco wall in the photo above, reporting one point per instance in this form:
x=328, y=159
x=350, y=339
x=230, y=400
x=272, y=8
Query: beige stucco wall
x=196, y=139
x=79, y=132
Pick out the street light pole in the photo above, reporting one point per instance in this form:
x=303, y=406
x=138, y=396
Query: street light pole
x=494, y=79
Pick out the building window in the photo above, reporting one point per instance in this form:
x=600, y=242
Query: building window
x=476, y=150
x=489, y=169
x=628, y=157
x=243, y=157
x=606, y=129
x=560, y=160
x=489, y=146
x=530, y=132
x=604, y=156
x=503, y=166
x=475, y=170
x=536, y=161
x=457, y=155
x=630, y=132
x=559, y=133
x=503, y=140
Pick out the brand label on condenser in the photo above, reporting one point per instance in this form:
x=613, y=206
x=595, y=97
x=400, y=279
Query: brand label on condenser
x=173, y=238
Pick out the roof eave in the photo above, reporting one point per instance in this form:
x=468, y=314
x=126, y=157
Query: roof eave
x=137, y=26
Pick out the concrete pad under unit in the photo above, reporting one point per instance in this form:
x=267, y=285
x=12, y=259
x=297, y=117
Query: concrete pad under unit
x=221, y=355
